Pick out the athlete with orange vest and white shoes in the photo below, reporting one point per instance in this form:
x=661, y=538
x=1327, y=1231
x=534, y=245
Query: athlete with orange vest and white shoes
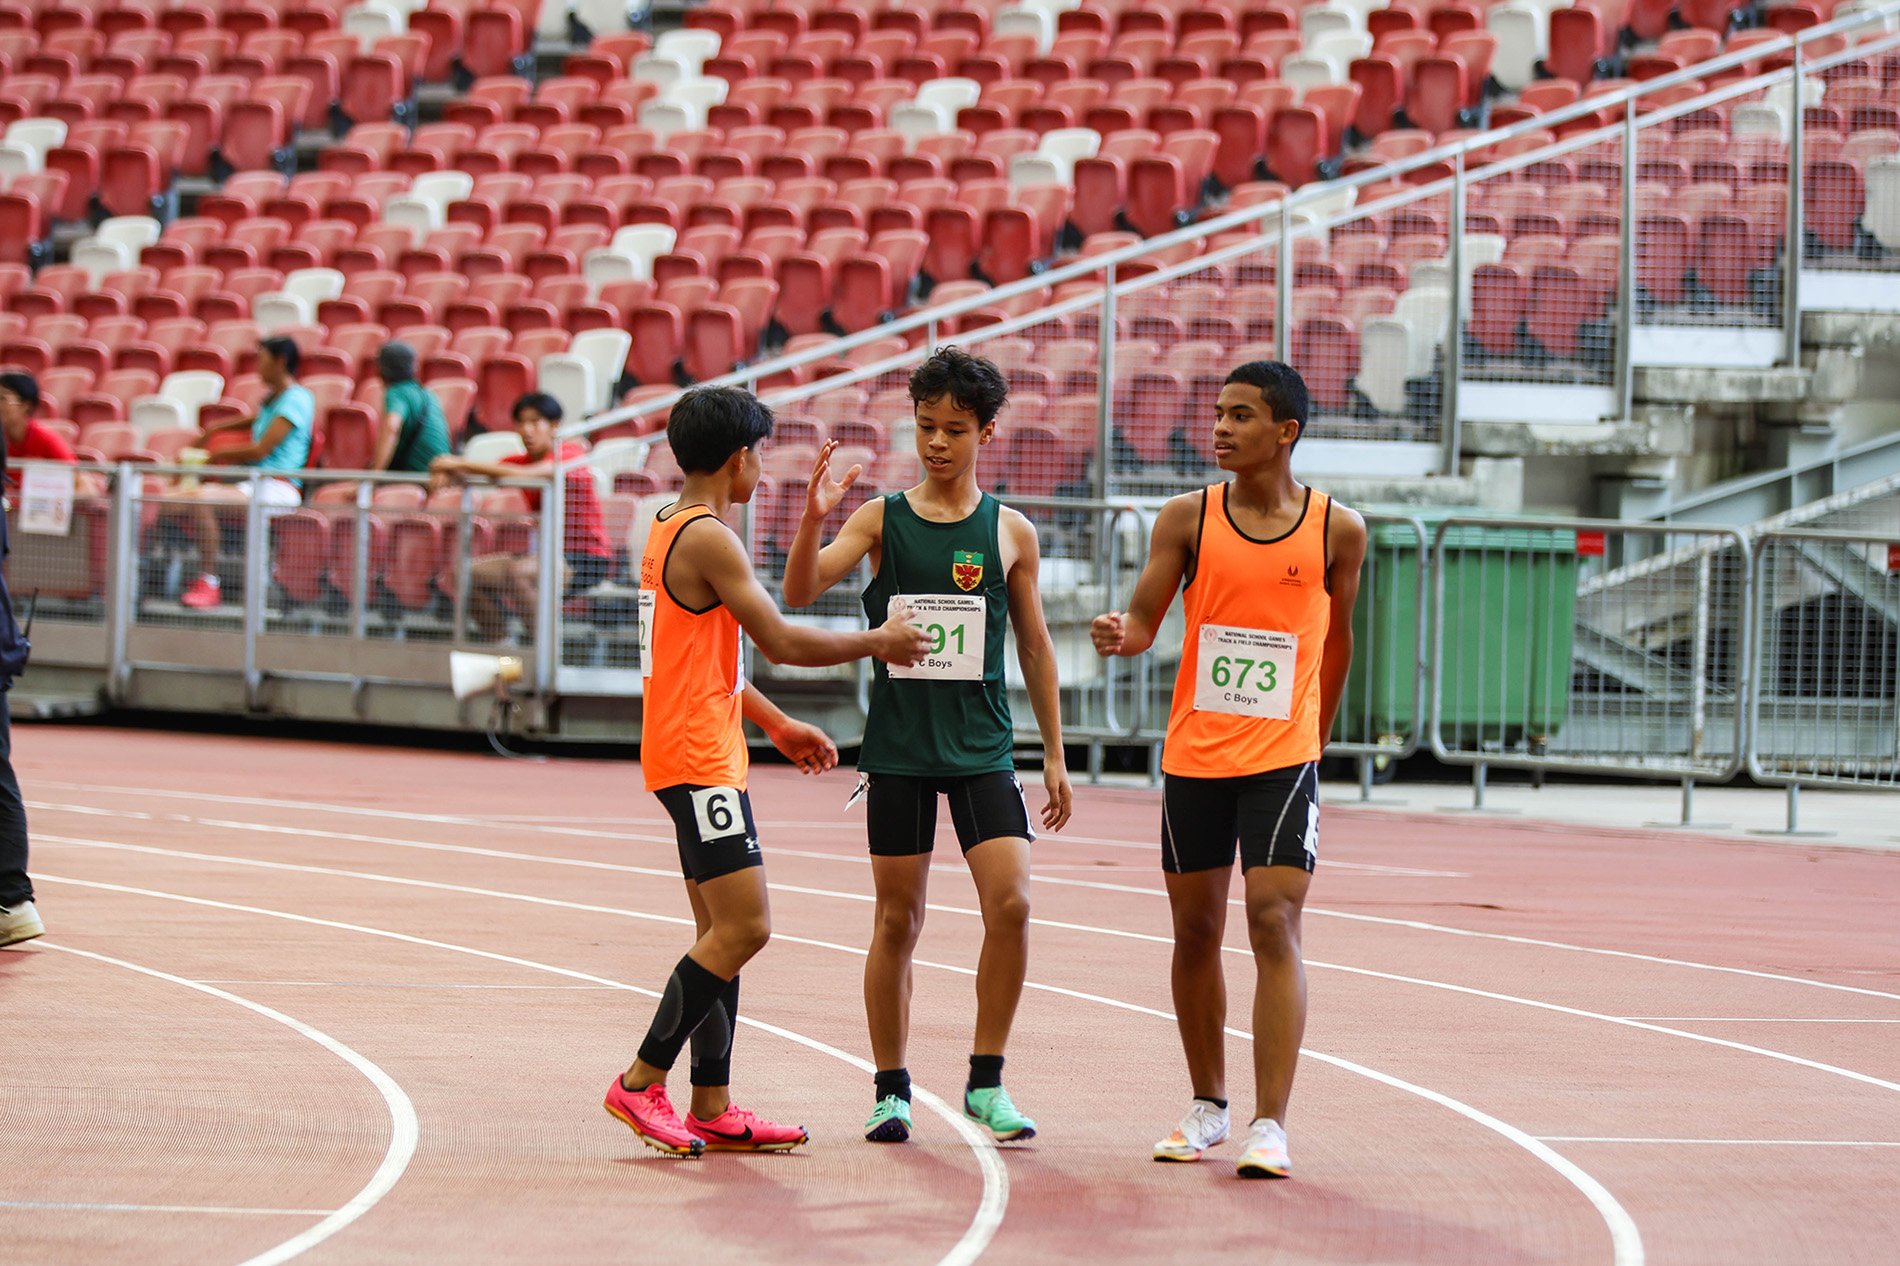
x=697, y=595
x=1271, y=570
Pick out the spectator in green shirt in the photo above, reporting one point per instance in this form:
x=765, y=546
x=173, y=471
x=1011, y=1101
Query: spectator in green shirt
x=413, y=432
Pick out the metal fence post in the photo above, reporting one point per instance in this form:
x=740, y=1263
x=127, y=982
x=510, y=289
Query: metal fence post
x=1283, y=290
x=1796, y=245
x=256, y=580
x=1626, y=271
x=464, y=565
x=1460, y=312
x=123, y=564
x=1105, y=388
x=553, y=579
x=359, y=567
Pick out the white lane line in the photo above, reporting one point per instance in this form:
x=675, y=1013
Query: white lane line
x=1063, y=925
x=1037, y=921
x=990, y=1207
x=1319, y=911
x=395, y=984
x=1581, y=1013
x=1625, y=1239
x=1568, y=1138
x=402, y=1113
x=207, y=1209
x=1760, y=1019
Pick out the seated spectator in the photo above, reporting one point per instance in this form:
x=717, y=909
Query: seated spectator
x=279, y=443
x=498, y=580
x=27, y=439
x=413, y=432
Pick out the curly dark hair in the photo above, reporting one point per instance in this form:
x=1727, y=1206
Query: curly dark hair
x=968, y=382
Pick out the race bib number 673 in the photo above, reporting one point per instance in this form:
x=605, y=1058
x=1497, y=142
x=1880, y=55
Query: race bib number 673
x=1245, y=672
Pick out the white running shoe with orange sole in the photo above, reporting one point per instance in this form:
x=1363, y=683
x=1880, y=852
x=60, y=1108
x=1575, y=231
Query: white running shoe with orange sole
x=1265, y=1156
x=1204, y=1126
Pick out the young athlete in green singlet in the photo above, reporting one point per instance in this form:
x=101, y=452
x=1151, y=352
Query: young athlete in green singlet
x=966, y=567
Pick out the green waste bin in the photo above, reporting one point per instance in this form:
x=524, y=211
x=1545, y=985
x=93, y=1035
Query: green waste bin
x=1510, y=620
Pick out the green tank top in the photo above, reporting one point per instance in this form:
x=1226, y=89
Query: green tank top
x=938, y=728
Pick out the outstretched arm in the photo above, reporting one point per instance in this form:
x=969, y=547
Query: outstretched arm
x=806, y=746
x=1346, y=546
x=1037, y=654
x=810, y=570
x=1170, y=552
x=714, y=554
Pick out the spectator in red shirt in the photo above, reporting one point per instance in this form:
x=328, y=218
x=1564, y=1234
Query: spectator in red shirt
x=27, y=440
x=500, y=579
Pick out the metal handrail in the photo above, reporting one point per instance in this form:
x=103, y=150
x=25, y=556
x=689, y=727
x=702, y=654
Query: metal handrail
x=1623, y=100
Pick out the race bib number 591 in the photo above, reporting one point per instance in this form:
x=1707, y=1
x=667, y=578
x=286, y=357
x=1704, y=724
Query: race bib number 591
x=1245, y=672
x=956, y=625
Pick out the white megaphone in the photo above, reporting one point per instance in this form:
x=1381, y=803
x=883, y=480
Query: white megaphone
x=470, y=674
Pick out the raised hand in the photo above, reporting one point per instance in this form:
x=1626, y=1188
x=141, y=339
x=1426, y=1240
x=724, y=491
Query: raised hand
x=823, y=494
x=1107, y=631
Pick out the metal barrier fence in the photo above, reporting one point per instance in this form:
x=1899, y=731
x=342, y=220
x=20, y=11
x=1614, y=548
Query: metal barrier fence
x=356, y=580
x=1590, y=646
x=1824, y=705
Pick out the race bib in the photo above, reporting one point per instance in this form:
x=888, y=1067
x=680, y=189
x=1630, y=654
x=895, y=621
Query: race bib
x=719, y=813
x=1245, y=672
x=646, y=632
x=956, y=625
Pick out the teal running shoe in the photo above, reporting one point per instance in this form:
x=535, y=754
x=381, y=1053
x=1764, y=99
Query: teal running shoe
x=890, y=1121
x=990, y=1108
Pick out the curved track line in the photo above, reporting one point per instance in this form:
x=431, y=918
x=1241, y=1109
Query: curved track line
x=1061, y=925
x=445, y=819
x=1626, y=1241
x=403, y=1129
x=976, y=1237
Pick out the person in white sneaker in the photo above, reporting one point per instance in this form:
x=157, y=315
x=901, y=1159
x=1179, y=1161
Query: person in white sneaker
x=1269, y=572
x=19, y=920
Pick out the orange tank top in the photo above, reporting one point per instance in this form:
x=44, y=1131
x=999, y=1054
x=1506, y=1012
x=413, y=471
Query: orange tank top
x=692, y=728
x=1246, y=697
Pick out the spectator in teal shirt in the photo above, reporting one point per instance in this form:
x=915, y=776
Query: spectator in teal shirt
x=413, y=432
x=279, y=445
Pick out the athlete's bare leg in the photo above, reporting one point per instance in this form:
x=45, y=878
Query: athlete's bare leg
x=1275, y=896
x=1198, y=901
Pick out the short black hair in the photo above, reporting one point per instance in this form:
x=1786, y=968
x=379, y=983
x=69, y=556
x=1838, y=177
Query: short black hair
x=1280, y=386
x=23, y=385
x=284, y=349
x=709, y=424
x=541, y=402
x=969, y=382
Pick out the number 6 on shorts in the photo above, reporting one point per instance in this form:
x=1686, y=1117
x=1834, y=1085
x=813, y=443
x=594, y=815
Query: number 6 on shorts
x=718, y=814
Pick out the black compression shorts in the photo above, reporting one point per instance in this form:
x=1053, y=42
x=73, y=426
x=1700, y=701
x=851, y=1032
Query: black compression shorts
x=902, y=811
x=1273, y=817
x=714, y=828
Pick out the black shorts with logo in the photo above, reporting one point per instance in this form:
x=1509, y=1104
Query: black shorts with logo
x=1273, y=817
x=902, y=811
x=714, y=827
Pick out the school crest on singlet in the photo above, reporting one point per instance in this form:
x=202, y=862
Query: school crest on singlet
x=966, y=569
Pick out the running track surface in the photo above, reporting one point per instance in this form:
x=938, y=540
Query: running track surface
x=350, y=1004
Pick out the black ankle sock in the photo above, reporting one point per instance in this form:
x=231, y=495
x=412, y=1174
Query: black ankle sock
x=690, y=993
x=893, y=1081
x=1219, y=1103
x=986, y=1072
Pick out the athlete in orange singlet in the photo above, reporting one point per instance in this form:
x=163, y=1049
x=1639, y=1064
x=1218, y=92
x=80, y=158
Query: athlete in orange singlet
x=1271, y=570
x=698, y=594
